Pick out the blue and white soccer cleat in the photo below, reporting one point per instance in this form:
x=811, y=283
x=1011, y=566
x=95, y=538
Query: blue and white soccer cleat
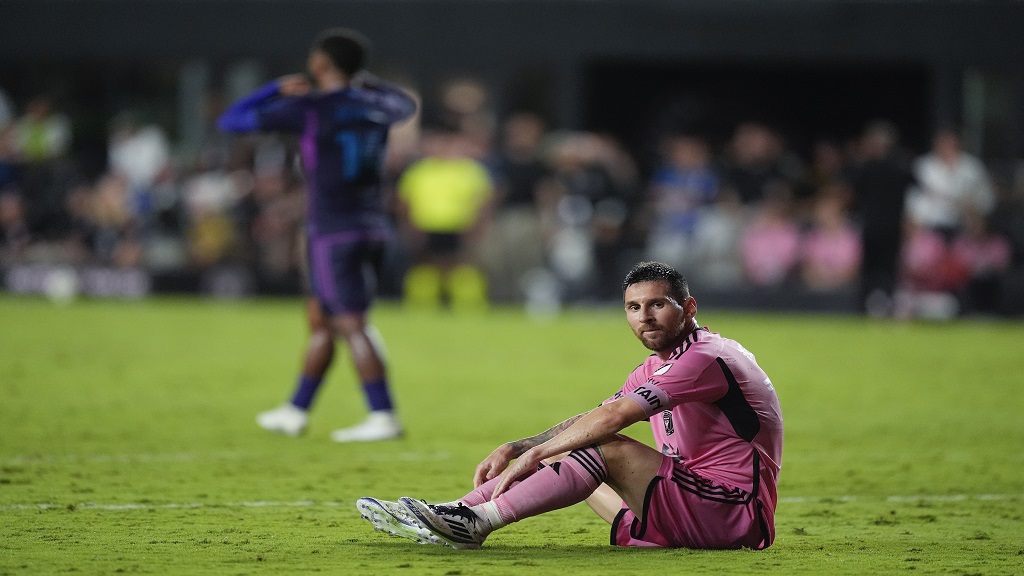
x=393, y=518
x=456, y=526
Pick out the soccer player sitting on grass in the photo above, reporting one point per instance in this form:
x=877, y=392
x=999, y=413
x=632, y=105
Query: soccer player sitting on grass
x=715, y=416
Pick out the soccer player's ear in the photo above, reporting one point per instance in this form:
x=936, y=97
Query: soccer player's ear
x=690, y=307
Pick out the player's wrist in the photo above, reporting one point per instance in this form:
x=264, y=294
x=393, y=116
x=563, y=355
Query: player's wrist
x=516, y=449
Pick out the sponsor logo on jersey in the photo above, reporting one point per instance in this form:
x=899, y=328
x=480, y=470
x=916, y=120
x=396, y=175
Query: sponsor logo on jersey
x=669, y=428
x=664, y=368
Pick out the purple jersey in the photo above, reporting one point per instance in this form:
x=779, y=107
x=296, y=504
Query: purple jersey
x=712, y=407
x=343, y=142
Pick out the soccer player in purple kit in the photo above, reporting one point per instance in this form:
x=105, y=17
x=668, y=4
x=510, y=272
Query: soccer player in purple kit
x=712, y=484
x=342, y=119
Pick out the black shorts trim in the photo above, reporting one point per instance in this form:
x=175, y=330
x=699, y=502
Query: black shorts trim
x=639, y=528
x=615, y=525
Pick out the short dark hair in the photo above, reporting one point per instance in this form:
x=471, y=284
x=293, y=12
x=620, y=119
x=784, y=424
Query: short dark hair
x=348, y=49
x=654, y=272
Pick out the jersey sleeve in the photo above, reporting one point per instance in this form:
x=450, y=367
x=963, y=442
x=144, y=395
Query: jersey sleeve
x=398, y=105
x=263, y=109
x=688, y=378
x=635, y=379
x=394, y=102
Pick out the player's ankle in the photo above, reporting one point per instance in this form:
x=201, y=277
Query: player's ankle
x=489, y=515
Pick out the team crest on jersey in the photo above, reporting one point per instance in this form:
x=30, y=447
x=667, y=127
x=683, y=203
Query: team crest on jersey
x=669, y=427
x=664, y=368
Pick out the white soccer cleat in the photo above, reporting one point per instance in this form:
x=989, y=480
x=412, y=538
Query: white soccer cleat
x=379, y=425
x=393, y=518
x=286, y=419
x=455, y=526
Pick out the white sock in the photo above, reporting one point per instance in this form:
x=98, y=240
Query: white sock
x=489, y=512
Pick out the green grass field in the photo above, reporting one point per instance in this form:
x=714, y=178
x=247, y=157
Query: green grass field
x=128, y=445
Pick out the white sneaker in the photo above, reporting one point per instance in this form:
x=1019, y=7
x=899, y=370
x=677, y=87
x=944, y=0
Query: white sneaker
x=288, y=419
x=455, y=526
x=379, y=425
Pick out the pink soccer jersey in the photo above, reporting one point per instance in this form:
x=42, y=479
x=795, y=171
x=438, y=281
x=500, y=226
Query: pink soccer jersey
x=712, y=407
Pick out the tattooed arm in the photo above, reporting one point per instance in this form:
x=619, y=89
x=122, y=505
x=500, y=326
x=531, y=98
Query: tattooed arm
x=502, y=455
x=520, y=446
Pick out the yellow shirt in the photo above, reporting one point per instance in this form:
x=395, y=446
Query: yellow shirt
x=445, y=195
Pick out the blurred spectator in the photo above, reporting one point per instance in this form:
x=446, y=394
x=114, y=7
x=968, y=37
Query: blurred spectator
x=210, y=194
x=830, y=253
x=587, y=198
x=770, y=247
x=14, y=233
x=79, y=237
x=985, y=257
x=614, y=214
x=930, y=274
x=117, y=240
x=6, y=110
x=515, y=244
x=276, y=224
x=9, y=177
x=42, y=133
x=43, y=137
x=928, y=264
x=445, y=199
x=950, y=182
x=1007, y=218
x=680, y=188
x=720, y=228
x=755, y=160
x=465, y=108
x=880, y=182
x=827, y=166
x=8, y=144
x=140, y=153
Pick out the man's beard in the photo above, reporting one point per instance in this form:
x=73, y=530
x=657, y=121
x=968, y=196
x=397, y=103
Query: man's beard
x=661, y=340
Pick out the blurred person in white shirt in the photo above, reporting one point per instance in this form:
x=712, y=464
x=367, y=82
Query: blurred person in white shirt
x=951, y=182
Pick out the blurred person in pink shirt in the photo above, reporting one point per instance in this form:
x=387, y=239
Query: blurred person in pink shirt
x=770, y=248
x=830, y=253
x=984, y=256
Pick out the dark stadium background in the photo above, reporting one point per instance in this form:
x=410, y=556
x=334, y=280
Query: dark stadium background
x=809, y=68
x=583, y=63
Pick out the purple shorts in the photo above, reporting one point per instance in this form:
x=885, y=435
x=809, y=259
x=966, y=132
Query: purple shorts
x=344, y=268
x=685, y=510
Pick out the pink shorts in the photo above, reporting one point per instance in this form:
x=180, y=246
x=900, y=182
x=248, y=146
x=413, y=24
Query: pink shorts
x=685, y=510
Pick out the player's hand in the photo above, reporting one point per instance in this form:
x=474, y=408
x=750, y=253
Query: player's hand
x=294, y=85
x=523, y=465
x=493, y=465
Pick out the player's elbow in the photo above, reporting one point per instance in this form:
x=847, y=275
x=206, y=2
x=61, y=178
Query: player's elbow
x=226, y=124
x=236, y=122
x=622, y=414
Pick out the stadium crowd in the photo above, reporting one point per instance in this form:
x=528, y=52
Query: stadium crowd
x=547, y=217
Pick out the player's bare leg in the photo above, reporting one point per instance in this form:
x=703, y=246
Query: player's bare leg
x=320, y=349
x=631, y=467
x=367, y=353
x=605, y=502
x=291, y=418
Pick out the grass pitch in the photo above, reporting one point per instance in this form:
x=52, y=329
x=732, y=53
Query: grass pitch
x=128, y=445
